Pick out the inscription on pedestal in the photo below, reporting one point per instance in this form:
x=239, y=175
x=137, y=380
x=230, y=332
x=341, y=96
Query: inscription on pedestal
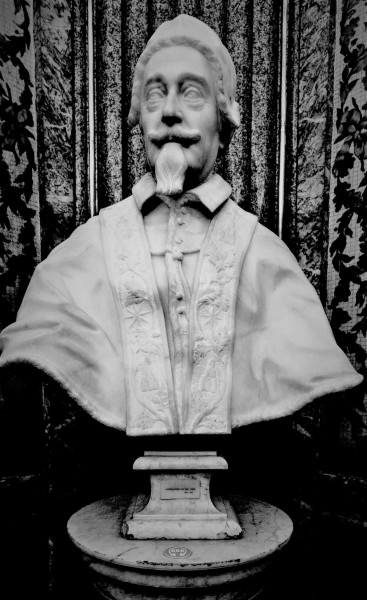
x=178, y=488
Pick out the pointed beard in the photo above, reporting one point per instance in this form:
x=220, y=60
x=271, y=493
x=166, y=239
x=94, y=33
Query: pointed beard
x=170, y=169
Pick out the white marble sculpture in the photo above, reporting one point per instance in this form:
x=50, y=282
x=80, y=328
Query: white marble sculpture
x=174, y=311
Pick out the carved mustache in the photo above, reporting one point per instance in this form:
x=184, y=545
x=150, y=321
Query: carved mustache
x=178, y=136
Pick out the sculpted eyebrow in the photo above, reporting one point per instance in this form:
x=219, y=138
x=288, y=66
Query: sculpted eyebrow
x=154, y=79
x=196, y=78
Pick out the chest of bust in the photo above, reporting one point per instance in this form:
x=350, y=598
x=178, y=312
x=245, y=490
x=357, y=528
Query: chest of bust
x=177, y=316
x=176, y=230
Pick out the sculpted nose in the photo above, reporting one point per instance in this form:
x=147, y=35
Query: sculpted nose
x=171, y=113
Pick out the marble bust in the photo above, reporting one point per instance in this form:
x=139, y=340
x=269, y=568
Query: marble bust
x=175, y=311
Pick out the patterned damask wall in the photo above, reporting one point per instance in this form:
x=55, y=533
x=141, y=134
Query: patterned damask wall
x=43, y=137
x=314, y=138
x=19, y=208
x=347, y=266
x=53, y=49
x=310, y=89
x=315, y=96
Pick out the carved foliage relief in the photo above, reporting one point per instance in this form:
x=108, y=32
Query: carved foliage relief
x=154, y=402
x=214, y=315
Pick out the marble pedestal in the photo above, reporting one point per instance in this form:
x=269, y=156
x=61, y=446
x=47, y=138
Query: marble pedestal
x=184, y=569
x=180, y=505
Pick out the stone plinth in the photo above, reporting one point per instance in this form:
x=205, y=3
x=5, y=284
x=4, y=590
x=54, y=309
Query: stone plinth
x=185, y=569
x=180, y=505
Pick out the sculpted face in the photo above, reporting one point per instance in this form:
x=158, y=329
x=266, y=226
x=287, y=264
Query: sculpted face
x=178, y=106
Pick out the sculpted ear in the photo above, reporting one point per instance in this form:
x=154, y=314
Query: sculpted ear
x=225, y=135
x=228, y=124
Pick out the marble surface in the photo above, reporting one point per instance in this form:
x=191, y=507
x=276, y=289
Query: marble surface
x=95, y=530
x=180, y=504
x=182, y=461
x=170, y=516
x=195, y=564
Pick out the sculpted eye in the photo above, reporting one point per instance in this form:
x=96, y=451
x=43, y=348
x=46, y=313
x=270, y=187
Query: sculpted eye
x=154, y=95
x=192, y=93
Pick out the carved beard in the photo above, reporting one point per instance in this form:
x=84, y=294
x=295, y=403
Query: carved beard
x=170, y=169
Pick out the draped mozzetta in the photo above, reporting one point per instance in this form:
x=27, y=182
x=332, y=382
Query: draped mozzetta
x=260, y=344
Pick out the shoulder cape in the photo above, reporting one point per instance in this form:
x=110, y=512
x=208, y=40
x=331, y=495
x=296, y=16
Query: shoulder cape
x=71, y=325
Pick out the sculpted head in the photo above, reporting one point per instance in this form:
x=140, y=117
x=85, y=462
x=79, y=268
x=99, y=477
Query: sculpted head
x=184, y=100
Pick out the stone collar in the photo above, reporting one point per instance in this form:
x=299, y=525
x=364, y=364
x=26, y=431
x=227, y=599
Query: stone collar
x=211, y=194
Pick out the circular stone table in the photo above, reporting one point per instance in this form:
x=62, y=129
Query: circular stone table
x=182, y=569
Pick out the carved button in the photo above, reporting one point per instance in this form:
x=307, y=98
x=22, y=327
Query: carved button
x=180, y=310
x=155, y=333
x=179, y=296
x=180, y=221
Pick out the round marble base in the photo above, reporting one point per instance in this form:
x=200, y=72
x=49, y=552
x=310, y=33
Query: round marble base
x=181, y=569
